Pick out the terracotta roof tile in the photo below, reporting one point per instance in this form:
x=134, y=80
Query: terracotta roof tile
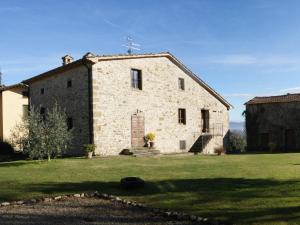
x=275, y=99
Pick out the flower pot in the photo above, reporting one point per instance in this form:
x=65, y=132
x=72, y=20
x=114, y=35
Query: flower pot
x=90, y=155
x=151, y=144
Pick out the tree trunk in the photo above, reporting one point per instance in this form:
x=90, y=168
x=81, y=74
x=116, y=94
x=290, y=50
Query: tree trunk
x=49, y=158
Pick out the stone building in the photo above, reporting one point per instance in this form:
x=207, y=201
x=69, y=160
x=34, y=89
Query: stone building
x=13, y=107
x=272, y=123
x=115, y=100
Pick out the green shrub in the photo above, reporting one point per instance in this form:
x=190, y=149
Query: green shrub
x=237, y=141
x=89, y=148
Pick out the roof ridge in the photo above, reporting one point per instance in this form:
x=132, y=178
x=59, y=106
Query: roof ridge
x=295, y=97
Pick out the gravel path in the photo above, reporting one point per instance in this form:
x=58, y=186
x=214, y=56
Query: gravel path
x=81, y=211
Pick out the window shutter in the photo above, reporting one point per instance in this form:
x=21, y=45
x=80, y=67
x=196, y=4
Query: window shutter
x=140, y=80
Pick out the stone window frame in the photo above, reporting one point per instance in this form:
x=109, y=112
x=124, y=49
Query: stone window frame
x=205, y=120
x=181, y=83
x=136, y=84
x=42, y=91
x=69, y=83
x=182, y=144
x=182, y=116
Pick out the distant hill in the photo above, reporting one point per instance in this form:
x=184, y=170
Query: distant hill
x=236, y=125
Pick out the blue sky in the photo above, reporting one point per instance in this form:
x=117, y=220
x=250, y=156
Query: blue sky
x=241, y=48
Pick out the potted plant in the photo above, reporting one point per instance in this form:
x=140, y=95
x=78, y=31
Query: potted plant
x=219, y=150
x=89, y=150
x=150, y=137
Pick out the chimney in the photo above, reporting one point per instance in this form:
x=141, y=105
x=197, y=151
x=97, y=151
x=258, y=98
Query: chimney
x=67, y=59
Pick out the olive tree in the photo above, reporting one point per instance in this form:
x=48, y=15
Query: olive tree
x=48, y=134
x=237, y=141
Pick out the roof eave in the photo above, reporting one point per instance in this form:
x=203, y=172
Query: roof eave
x=58, y=69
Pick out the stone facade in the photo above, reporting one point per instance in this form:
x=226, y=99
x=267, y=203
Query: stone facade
x=115, y=101
x=273, y=126
x=73, y=99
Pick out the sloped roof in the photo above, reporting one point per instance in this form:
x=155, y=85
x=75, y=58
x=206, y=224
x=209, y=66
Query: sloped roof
x=275, y=99
x=4, y=88
x=91, y=58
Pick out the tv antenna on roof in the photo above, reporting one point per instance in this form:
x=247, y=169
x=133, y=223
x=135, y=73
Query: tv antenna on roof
x=131, y=45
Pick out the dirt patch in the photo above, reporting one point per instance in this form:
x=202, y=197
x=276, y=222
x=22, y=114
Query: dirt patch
x=82, y=211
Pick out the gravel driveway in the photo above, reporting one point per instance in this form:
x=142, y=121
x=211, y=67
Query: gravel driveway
x=81, y=211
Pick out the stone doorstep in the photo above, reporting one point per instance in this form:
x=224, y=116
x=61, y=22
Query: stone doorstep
x=162, y=212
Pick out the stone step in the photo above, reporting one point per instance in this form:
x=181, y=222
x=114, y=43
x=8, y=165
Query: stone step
x=144, y=152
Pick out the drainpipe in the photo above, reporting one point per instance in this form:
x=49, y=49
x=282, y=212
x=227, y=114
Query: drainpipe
x=90, y=96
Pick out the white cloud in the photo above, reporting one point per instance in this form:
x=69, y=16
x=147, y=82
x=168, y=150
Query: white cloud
x=290, y=90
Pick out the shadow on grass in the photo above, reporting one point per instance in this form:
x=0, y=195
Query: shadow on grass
x=240, y=200
x=12, y=157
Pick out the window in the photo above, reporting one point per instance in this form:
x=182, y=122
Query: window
x=181, y=116
x=69, y=83
x=25, y=111
x=205, y=120
x=43, y=112
x=136, y=79
x=70, y=123
x=25, y=94
x=42, y=91
x=182, y=144
x=181, y=83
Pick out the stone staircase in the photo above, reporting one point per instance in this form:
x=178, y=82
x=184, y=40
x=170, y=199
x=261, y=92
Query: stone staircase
x=201, y=143
x=143, y=151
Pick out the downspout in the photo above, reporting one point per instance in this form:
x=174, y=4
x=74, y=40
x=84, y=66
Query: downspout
x=90, y=97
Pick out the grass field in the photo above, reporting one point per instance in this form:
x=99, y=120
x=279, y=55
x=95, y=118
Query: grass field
x=244, y=189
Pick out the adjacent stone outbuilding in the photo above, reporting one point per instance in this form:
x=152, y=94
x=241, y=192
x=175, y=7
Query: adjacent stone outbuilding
x=114, y=101
x=272, y=123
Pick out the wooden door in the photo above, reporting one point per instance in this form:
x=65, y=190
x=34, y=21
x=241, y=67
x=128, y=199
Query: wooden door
x=264, y=141
x=137, y=130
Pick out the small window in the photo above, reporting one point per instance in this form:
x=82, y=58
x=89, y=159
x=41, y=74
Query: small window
x=136, y=79
x=181, y=116
x=70, y=123
x=69, y=83
x=43, y=113
x=181, y=83
x=25, y=111
x=25, y=94
x=182, y=144
x=42, y=91
x=205, y=120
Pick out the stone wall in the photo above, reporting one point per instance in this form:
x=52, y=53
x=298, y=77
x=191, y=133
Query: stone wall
x=115, y=101
x=273, y=120
x=73, y=99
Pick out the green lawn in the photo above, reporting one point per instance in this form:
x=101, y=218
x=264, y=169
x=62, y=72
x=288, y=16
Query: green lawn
x=245, y=189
